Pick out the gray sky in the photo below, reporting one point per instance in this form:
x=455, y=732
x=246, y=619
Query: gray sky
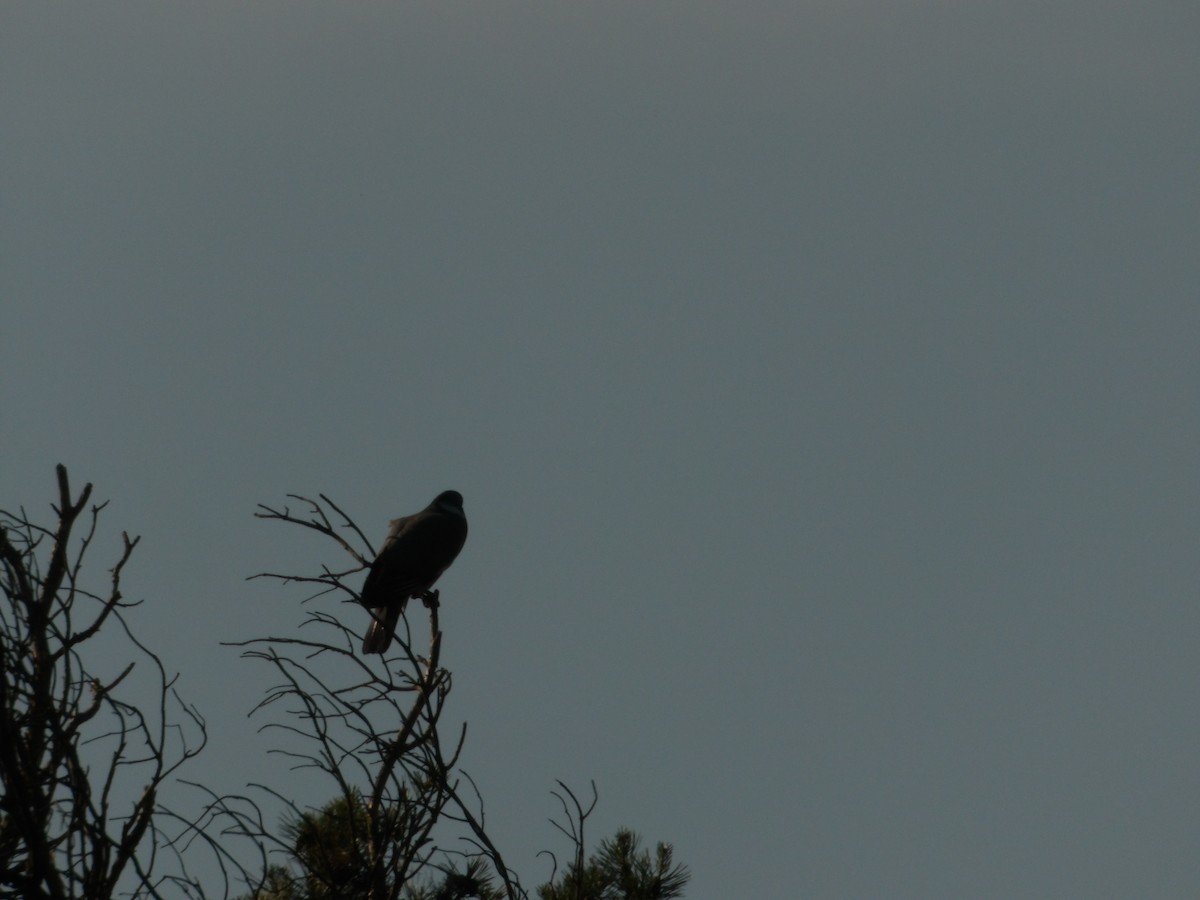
x=820, y=378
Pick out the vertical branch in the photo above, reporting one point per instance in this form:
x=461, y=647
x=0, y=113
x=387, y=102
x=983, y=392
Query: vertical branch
x=426, y=686
x=362, y=721
x=573, y=829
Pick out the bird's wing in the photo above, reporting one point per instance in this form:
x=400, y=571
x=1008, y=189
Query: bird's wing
x=397, y=528
x=373, y=593
x=417, y=550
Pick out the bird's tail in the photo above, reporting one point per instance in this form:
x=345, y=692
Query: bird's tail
x=383, y=626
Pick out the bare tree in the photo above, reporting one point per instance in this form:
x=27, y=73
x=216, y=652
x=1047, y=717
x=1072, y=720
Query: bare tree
x=82, y=767
x=403, y=812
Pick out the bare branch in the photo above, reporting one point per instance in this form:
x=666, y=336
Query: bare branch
x=319, y=521
x=368, y=725
x=69, y=744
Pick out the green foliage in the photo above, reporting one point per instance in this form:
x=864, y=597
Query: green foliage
x=621, y=870
x=329, y=845
x=472, y=883
x=328, y=855
x=329, y=862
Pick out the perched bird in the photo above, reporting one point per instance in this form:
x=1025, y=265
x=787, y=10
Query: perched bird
x=418, y=549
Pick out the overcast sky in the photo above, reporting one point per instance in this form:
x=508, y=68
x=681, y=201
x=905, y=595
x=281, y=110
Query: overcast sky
x=821, y=379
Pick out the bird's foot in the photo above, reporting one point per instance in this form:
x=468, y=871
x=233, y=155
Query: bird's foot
x=430, y=599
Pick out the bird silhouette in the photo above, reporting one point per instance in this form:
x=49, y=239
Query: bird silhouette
x=418, y=549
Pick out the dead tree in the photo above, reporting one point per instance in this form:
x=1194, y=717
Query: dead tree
x=84, y=770
x=81, y=767
x=403, y=814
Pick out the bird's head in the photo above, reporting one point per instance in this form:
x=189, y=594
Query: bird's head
x=450, y=501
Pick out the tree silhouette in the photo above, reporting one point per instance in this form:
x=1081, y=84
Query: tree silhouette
x=327, y=862
x=325, y=842
x=621, y=870
x=81, y=766
x=370, y=726
x=618, y=870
